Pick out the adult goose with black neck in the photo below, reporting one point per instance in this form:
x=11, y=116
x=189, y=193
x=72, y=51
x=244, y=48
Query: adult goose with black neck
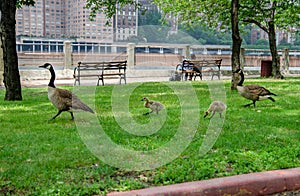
x=252, y=92
x=63, y=99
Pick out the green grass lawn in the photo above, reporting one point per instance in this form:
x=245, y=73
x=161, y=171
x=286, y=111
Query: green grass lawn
x=41, y=157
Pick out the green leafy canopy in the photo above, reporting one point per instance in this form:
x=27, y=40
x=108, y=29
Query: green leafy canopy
x=216, y=13
x=282, y=13
x=108, y=7
x=25, y=2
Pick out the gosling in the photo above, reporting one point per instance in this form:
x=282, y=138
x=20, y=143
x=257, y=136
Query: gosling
x=153, y=105
x=215, y=106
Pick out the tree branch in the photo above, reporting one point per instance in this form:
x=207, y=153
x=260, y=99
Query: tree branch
x=249, y=20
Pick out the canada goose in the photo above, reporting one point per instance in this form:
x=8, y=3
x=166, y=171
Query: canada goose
x=153, y=105
x=215, y=106
x=252, y=92
x=63, y=99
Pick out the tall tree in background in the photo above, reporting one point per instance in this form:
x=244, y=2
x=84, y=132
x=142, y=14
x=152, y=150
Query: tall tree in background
x=149, y=17
x=236, y=42
x=269, y=15
x=11, y=75
x=220, y=15
x=266, y=14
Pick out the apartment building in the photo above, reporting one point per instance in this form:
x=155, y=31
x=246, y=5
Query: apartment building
x=31, y=20
x=78, y=24
x=125, y=23
x=70, y=19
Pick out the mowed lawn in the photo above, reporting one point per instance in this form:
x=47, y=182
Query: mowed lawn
x=41, y=157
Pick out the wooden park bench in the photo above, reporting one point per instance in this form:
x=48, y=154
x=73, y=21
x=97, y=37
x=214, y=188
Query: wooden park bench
x=101, y=70
x=196, y=68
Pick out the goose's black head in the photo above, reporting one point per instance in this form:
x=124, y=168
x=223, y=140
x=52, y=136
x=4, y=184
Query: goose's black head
x=46, y=66
x=241, y=74
x=50, y=68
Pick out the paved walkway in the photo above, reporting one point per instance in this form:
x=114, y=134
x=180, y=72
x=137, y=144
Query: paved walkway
x=70, y=82
x=261, y=183
x=93, y=81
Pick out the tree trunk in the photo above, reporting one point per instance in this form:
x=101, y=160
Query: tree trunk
x=1, y=64
x=236, y=42
x=273, y=48
x=10, y=58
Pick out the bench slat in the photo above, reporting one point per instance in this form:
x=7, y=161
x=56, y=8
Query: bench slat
x=104, y=70
x=197, y=67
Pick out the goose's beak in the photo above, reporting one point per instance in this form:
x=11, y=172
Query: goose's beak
x=206, y=114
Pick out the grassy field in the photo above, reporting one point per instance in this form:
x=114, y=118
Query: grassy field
x=41, y=157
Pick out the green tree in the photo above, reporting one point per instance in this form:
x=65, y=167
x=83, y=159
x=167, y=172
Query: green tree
x=11, y=76
x=297, y=39
x=236, y=41
x=207, y=35
x=182, y=38
x=266, y=14
x=246, y=34
x=261, y=42
x=270, y=15
x=154, y=33
x=149, y=17
x=284, y=42
x=220, y=14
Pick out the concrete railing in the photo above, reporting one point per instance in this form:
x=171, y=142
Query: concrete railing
x=152, y=55
x=147, y=56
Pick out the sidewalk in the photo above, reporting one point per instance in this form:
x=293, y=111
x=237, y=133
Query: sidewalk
x=261, y=183
x=39, y=78
x=92, y=81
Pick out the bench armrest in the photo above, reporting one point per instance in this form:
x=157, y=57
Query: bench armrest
x=74, y=73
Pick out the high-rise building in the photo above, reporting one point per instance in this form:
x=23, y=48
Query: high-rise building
x=31, y=20
x=78, y=24
x=70, y=19
x=125, y=23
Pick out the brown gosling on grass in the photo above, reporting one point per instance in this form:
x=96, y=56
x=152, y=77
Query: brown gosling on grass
x=215, y=106
x=153, y=105
x=252, y=92
x=63, y=99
